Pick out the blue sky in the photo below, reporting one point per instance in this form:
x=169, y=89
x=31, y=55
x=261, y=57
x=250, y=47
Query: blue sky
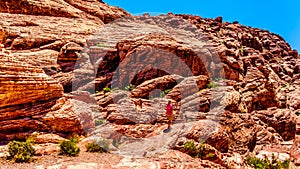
x=280, y=17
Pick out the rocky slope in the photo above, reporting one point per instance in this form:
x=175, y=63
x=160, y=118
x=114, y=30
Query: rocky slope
x=235, y=89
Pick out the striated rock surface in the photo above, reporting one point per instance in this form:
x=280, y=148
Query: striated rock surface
x=40, y=41
x=22, y=83
x=25, y=89
x=91, y=10
x=282, y=120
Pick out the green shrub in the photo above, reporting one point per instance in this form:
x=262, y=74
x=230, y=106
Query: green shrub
x=165, y=92
x=193, y=151
x=94, y=109
x=74, y=138
x=191, y=148
x=69, y=147
x=212, y=84
x=99, y=122
x=130, y=87
x=21, y=151
x=190, y=145
x=100, y=45
x=284, y=164
x=265, y=163
x=210, y=155
x=94, y=147
x=106, y=89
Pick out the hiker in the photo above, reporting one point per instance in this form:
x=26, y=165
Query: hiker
x=169, y=113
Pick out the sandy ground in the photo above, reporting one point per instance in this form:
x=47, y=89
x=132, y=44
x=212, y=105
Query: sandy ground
x=50, y=160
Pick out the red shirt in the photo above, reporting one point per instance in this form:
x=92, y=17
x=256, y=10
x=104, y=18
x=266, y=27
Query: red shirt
x=169, y=109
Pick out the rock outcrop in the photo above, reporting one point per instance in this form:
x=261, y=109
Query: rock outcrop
x=40, y=41
x=256, y=106
x=33, y=101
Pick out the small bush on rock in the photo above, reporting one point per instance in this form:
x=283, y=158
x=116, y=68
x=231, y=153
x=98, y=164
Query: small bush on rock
x=21, y=151
x=130, y=87
x=190, y=145
x=99, y=122
x=165, y=92
x=106, y=89
x=212, y=84
x=192, y=150
x=210, y=155
x=74, y=138
x=94, y=147
x=101, y=142
x=69, y=147
x=265, y=163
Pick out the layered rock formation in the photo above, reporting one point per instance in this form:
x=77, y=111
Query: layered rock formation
x=40, y=39
x=255, y=108
x=235, y=89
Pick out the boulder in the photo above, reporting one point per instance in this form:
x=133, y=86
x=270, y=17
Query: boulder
x=282, y=120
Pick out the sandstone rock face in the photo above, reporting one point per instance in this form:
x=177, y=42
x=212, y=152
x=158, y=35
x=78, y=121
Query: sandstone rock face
x=22, y=83
x=41, y=38
x=66, y=115
x=68, y=56
x=47, y=138
x=92, y=10
x=37, y=31
x=241, y=129
x=234, y=89
x=187, y=87
x=33, y=101
x=160, y=83
x=219, y=139
x=295, y=154
x=23, y=87
x=282, y=120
